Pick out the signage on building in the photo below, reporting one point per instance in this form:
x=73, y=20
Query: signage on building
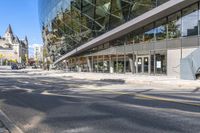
x=158, y=64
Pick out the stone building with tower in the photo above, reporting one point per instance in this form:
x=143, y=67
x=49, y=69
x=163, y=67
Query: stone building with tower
x=12, y=49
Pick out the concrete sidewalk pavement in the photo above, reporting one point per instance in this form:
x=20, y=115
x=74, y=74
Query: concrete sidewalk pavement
x=154, y=81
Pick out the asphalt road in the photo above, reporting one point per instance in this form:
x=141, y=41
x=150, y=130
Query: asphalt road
x=42, y=104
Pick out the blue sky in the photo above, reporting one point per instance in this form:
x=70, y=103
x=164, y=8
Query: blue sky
x=23, y=17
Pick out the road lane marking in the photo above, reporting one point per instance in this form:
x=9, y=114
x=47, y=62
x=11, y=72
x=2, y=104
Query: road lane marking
x=185, y=102
x=10, y=125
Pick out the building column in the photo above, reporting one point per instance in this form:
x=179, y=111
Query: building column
x=111, y=65
x=149, y=67
x=131, y=64
x=117, y=65
x=92, y=64
x=67, y=66
x=89, y=64
x=134, y=63
x=79, y=65
x=103, y=65
x=125, y=63
x=154, y=56
x=97, y=64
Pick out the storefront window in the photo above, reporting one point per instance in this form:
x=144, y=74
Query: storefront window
x=190, y=21
x=161, y=62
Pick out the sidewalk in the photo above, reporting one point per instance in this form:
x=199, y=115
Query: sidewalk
x=155, y=81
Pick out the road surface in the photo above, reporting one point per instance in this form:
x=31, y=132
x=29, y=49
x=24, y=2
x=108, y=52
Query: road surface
x=43, y=104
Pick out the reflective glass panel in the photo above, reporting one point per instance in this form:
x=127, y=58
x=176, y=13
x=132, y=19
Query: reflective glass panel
x=190, y=21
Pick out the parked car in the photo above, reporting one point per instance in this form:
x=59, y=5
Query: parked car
x=21, y=66
x=14, y=67
x=34, y=66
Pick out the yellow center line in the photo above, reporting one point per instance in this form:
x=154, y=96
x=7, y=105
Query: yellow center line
x=149, y=97
x=145, y=96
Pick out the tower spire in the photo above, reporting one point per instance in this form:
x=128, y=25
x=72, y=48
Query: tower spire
x=9, y=34
x=9, y=29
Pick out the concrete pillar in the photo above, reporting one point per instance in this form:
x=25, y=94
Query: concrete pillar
x=103, y=65
x=131, y=64
x=79, y=68
x=67, y=67
x=125, y=63
x=134, y=63
x=111, y=64
x=79, y=65
x=89, y=64
x=92, y=64
x=117, y=61
x=97, y=64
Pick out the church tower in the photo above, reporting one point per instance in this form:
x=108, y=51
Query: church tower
x=9, y=34
x=26, y=40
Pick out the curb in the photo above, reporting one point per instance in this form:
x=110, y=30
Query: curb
x=10, y=126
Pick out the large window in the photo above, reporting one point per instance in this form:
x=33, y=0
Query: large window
x=174, y=25
x=138, y=38
x=149, y=35
x=160, y=2
x=161, y=30
x=141, y=6
x=190, y=21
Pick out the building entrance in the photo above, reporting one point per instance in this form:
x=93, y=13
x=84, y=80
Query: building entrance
x=143, y=66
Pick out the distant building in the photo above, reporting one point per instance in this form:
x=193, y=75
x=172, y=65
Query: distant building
x=38, y=53
x=12, y=49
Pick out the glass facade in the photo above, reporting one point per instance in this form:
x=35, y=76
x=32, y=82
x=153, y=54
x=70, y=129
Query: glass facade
x=67, y=24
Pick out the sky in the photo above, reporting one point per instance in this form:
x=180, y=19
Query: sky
x=22, y=15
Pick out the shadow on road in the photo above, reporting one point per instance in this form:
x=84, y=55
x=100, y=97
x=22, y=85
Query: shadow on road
x=70, y=108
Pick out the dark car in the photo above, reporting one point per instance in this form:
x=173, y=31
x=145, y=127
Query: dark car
x=14, y=67
x=34, y=66
x=21, y=66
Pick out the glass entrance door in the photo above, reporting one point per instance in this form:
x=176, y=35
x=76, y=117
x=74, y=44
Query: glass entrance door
x=139, y=65
x=146, y=64
x=143, y=64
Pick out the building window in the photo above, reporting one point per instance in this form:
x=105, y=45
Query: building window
x=160, y=2
x=138, y=38
x=149, y=35
x=190, y=21
x=174, y=25
x=161, y=62
x=161, y=30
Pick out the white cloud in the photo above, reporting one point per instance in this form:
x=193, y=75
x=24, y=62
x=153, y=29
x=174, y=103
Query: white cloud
x=34, y=45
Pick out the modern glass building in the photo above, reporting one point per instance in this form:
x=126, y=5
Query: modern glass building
x=120, y=36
